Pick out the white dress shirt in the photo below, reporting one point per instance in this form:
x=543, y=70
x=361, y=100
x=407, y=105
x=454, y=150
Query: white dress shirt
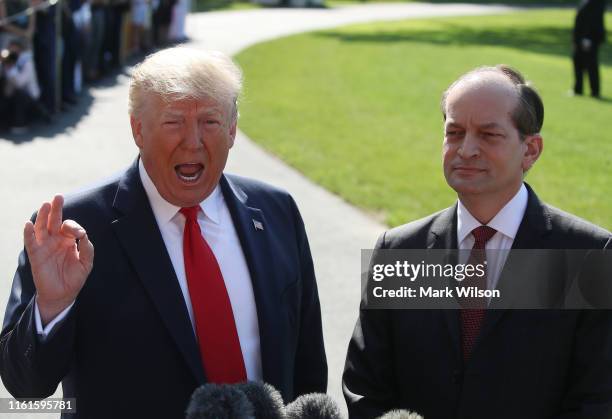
x=218, y=230
x=506, y=222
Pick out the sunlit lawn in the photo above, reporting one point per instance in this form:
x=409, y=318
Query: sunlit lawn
x=357, y=109
x=209, y=5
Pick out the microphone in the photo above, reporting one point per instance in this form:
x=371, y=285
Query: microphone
x=266, y=400
x=313, y=406
x=219, y=401
x=400, y=414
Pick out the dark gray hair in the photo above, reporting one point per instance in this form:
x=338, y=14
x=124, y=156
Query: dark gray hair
x=528, y=116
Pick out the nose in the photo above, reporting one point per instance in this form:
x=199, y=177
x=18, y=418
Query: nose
x=469, y=147
x=193, y=137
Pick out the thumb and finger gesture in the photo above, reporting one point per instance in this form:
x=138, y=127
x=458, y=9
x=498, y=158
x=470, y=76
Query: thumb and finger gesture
x=59, y=265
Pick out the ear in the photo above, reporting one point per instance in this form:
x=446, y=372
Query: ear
x=232, y=130
x=136, y=124
x=534, y=145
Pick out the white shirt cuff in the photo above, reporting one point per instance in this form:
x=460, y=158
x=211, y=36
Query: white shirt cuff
x=44, y=332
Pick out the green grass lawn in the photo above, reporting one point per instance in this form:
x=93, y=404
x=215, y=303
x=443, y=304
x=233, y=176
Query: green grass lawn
x=209, y=5
x=356, y=109
x=573, y=3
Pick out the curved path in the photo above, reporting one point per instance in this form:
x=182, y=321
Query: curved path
x=99, y=143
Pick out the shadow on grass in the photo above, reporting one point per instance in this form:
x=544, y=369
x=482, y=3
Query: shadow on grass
x=550, y=40
x=606, y=100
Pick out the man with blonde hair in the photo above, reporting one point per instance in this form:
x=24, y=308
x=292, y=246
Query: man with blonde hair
x=197, y=276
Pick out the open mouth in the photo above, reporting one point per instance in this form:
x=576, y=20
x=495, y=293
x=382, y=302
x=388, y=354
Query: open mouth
x=189, y=172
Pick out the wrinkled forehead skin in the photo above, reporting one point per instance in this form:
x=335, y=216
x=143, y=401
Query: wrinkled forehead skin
x=486, y=97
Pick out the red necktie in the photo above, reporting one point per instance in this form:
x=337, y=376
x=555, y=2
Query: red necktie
x=212, y=310
x=471, y=318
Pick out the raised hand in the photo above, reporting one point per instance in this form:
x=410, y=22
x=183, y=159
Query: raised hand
x=59, y=266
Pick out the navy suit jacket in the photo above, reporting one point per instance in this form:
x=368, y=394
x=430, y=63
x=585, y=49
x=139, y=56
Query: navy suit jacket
x=529, y=364
x=127, y=348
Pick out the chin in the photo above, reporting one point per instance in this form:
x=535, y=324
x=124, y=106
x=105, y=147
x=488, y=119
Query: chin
x=464, y=188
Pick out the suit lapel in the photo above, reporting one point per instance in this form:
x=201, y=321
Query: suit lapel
x=531, y=234
x=250, y=224
x=443, y=231
x=139, y=235
x=443, y=235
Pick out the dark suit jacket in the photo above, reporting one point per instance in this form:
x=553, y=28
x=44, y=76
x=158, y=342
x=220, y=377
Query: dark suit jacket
x=589, y=21
x=127, y=348
x=535, y=364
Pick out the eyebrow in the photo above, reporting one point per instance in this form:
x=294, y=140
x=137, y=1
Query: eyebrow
x=452, y=125
x=490, y=125
x=171, y=112
x=179, y=113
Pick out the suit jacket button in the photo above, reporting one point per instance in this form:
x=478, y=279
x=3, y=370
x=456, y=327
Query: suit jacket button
x=457, y=376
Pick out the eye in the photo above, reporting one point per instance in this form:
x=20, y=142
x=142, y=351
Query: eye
x=454, y=134
x=491, y=135
x=171, y=123
x=212, y=124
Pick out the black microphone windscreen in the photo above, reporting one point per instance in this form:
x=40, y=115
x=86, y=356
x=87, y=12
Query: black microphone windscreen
x=313, y=406
x=400, y=414
x=266, y=400
x=219, y=401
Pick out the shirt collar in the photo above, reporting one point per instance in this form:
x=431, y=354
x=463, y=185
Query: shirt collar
x=164, y=211
x=506, y=221
x=212, y=205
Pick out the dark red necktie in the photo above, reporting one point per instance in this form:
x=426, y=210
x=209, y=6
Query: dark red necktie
x=473, y=314
x=212, y=309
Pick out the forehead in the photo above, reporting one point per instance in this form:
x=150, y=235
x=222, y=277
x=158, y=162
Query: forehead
x=199, y=105
x=481, y=99
x=159, y=105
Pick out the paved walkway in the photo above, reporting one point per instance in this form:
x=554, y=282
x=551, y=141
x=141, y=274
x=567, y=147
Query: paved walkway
x=95, y=141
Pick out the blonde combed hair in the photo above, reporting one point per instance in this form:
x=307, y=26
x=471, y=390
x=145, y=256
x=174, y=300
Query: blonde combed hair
x=185, y=73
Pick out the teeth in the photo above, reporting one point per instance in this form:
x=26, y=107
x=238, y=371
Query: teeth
x=189, y=178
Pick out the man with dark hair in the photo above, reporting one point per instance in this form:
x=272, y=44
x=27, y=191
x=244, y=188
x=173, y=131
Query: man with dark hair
x=528, y=115
x=589, y=34
x=475, y=362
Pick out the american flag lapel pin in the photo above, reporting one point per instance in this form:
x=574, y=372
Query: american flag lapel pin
x=258, y=225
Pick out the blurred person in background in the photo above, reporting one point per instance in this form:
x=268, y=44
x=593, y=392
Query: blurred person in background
x=177, y=26
x=82, y=23
x=141, y=22
x=95, y=40
x=589, y=34
x=44, y=47
x=20, y=87
x=21, y=25
x=162, y=19
x=113, y=34
x=71, y=50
